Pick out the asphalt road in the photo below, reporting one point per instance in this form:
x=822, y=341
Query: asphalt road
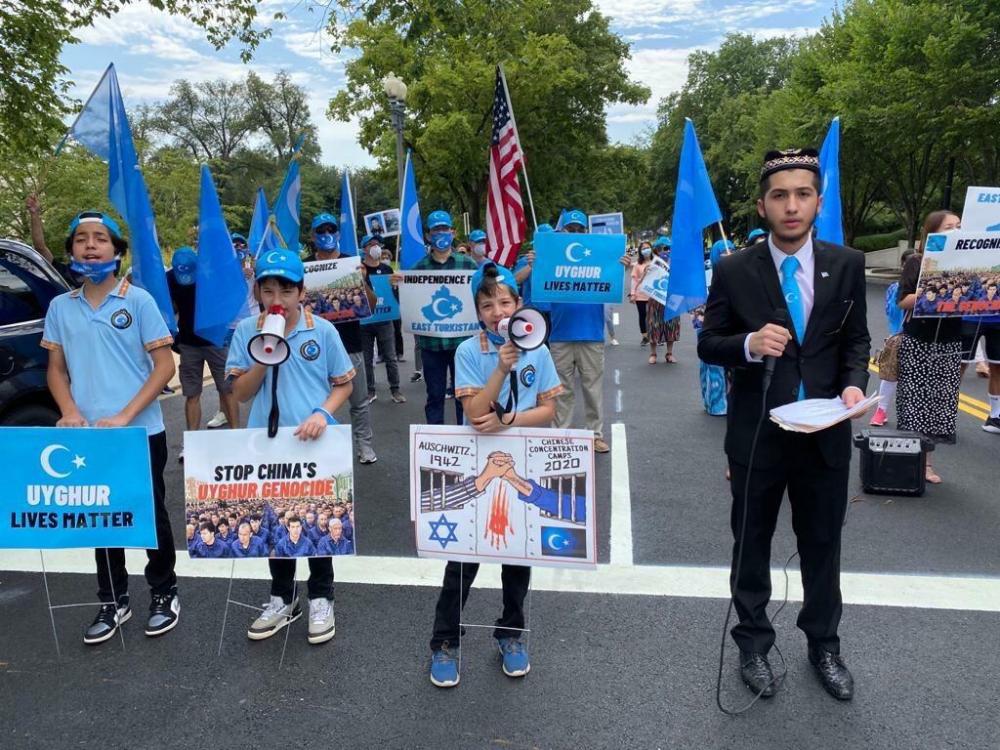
x=610, y=670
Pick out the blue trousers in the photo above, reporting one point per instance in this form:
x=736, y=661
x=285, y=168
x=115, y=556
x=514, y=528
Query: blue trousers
x=437, y=365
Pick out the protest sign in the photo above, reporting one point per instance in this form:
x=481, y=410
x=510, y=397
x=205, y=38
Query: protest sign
x=578, y=268
x=386, y=304
x=76, y=487
x=959, y=275
x=606, y=223
x=438, y=304
x=248, y=495
x=655, y=281
x=335, y=290
x=383, y=223
x=982, y=210
x=522, y=497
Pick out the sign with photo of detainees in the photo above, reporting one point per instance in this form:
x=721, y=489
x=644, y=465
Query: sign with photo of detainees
x=959, y=275
x=76, y=487
x=248, y=495
x=335, y=290
x=521, y=497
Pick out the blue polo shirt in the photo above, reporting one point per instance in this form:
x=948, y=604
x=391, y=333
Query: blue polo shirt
x=317, y=362
x=477, y=358
x=575, y=321
x=107, y=350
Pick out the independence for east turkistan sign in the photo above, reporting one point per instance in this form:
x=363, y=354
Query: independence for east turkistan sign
x=578, y=268
x=76, y=487
x=438, y=304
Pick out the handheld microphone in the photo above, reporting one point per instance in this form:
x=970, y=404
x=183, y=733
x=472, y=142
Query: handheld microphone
x=779, y=318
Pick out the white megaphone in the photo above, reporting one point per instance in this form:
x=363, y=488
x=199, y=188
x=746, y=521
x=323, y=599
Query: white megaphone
x=269, y=346
x=526, y=329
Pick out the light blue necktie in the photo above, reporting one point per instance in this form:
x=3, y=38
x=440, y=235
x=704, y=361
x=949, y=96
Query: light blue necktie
x=793, y=298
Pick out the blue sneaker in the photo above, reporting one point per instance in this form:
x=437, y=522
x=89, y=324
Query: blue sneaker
x=515, y=657
x=444, y=667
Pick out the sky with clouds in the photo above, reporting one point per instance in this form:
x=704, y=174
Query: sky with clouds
x=151, y=49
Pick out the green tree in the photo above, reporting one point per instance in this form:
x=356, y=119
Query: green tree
x=211, y=119
x=563, y=63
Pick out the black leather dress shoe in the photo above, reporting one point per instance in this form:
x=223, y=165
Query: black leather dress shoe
x=757, y=675
x=833, y=673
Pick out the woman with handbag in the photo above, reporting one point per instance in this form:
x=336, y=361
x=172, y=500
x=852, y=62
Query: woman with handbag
x=930, y=351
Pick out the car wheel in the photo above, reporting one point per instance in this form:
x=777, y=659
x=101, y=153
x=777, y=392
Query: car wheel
x=32, y=415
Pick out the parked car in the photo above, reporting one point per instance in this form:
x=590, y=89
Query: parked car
x=28, y=283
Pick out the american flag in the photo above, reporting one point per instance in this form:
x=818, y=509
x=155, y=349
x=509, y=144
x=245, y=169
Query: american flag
x=505, y=225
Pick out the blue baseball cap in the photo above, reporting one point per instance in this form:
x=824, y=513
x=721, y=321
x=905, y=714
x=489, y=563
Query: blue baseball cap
x=575, y=216
x=184, y=257
x=662, y=242
x=283, y=263
x=720, y=246
x=237, y=236
x=504, y=276
x=368, y=238
x=324, y=218
x=477, y=235
x=542, y=228
x=439, y=219
x=96, y=217
x=755, y=234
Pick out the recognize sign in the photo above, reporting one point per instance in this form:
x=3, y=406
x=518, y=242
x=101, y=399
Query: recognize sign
x=521, y=497
x=438, y=304
x=578, y=268
x=335, y=289
x=959, y=275
x=76, y=487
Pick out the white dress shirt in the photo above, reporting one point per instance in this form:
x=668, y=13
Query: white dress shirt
x=804, y=276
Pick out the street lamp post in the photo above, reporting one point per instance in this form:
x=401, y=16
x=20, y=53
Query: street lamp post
x=395, y=89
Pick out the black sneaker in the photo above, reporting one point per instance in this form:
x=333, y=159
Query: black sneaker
x=416, y=376
x=164, y=612
x=992, y=425
x=449, y=394
x=109, y=618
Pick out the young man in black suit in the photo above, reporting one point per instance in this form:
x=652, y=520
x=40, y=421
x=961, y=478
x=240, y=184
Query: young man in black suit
x=821, y=352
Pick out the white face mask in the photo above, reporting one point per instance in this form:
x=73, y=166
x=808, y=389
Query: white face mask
x=375, y=253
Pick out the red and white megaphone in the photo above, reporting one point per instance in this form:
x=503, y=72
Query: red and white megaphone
x=526, y=329
x=269, y=346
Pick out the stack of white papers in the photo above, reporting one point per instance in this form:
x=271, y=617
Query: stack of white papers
x=815, y=414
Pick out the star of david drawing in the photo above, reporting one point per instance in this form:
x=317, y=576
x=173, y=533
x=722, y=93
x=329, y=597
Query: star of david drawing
x=436, y=535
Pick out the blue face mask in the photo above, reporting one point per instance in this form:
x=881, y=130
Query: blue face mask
x=646, y=252
x=495, y=337
x=326, y=241
x=94, y=272
x=184, y=274
x=441, y=241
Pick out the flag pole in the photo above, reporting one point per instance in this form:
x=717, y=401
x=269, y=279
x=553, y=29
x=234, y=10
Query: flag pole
x=722, y=231
x=517, y=134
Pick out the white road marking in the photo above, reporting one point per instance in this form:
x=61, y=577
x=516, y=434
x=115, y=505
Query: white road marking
x=886, y=590
x=621, y=499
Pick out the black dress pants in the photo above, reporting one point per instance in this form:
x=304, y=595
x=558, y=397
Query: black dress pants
x=458, y=578
x=817, y=494
x=112, y=577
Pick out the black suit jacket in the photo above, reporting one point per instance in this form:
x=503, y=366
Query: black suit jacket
x=834, y=354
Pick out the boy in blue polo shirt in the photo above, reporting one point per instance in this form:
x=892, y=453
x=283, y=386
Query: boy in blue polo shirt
x=482, y=373
x=109, y=359
x=315, y=381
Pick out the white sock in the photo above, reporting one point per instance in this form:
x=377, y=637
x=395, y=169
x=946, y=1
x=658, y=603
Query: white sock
x=994, y=406
x=886, y=391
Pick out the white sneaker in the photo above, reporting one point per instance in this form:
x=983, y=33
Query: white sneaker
x=218, y=420
x=614, y=342
x=322, y=624
x=275, y=616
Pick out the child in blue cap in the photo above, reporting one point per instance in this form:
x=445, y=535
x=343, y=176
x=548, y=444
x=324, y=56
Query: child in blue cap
x=109, y=359
x=482, y=372
x=315, y=381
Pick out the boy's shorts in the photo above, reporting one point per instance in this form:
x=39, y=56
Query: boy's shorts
x=192, y=368
x=972, y=332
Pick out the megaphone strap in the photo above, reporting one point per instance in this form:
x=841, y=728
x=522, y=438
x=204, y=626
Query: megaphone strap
x=511, y=407
x=274, y=416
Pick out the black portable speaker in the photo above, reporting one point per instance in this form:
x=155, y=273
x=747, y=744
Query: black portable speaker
x=893, y=462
